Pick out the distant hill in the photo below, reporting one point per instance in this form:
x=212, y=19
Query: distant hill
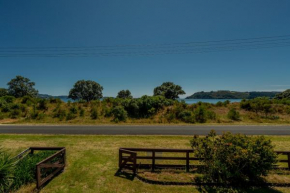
x=226, y=94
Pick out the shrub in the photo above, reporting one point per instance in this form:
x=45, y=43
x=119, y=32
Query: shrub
x=200, y=114
x=1, y=116
x=186, y=116
x=73, y=110
x=28, y=100
x=42, y=104
x=15, y=113
x=70, y=116
x=94, y=113
x=233, y=114
x=8, y=99
x=211, y=115
x=6, y=107
x=234, y=158
x=7, y=165
x=59, y=113
x=54, y=100
x=119, y=113
x=82, y=112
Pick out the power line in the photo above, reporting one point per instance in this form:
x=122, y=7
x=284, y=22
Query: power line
x=149, y=49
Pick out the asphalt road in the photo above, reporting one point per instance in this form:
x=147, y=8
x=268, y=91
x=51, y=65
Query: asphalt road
x=143, y=130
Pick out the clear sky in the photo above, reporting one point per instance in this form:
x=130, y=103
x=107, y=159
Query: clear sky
x=70, y=24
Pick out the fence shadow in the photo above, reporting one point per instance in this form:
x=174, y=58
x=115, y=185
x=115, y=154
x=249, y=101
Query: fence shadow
x=126, y=175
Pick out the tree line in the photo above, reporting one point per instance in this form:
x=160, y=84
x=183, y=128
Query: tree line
x=87, y=90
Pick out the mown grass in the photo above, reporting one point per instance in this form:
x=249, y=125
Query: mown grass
x=92, y=162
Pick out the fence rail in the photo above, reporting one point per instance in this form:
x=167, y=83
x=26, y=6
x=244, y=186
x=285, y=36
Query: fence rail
x=186, y=155
x=50, y=166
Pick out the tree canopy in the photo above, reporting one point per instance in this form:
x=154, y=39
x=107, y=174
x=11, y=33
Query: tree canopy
x=124, y=94
x=169, y=90
x=21, y=86
x=86, y=90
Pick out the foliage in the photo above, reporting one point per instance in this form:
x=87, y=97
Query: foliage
x=8, y=99
x=94, y=113
x=234, y=158
x=59, y=113
x=258, y=105
x=3, y=92
x=169, y=90
x=233, y=114
x=7, y=165
x=86, y=90
x=186, y=116
x=124, y=94
x=25, y=169
x=42, y=104
x=119, y=113
x=21, y=86
x=200, y=114
x=82, y=112
x=28, y=100
x=283, y=95
x=145, y=106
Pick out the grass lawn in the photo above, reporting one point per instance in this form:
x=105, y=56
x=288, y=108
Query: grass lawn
x=92, y=161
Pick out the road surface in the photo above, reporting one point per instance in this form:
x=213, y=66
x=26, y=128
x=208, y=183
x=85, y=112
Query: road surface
x=142, y=130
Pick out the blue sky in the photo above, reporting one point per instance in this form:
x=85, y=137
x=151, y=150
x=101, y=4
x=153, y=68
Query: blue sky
x=71, y=23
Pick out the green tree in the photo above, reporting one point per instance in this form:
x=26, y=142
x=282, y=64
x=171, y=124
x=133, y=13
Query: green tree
x=124, y=94
x=169, y=90
x=3, y=92
x=86, y=90
x=21, y=86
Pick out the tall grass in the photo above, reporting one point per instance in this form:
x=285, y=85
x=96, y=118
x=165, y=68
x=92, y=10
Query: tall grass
x=7, y=166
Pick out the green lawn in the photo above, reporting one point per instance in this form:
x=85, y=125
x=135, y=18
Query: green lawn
x=92, y=161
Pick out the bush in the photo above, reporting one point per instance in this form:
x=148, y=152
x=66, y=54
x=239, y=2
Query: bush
x=54, y=100
x=119, y=113
x=200, y=114
x=59, y=113
x=73, y=110
x=1, y=116
x=186, y=116
x=70, y=116
x=8, y=99
x=42, y=104
x=15, y=113
x=211, y=115
x=234, y=158
x=94, y=113
x=82, y=112
x=234, y=115
x=7, y=165
x=28, y=100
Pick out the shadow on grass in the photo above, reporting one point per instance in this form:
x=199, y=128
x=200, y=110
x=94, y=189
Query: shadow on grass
x=125, y=175
x=213, y=189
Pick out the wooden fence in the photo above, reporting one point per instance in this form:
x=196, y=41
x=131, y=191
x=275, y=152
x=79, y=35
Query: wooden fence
x=50, y=166
x=128, y=158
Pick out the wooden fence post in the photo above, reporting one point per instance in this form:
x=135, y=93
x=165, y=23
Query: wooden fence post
x=187, y=161
x=153, y=160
